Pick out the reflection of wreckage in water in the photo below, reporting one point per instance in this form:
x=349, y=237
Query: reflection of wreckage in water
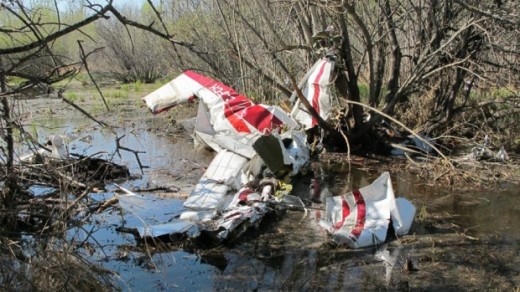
x=258, y=149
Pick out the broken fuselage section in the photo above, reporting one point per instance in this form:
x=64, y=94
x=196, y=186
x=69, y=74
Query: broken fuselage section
x=259, y=148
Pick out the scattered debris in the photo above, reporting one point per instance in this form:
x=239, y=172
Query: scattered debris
x=259, y=148
x=484, y=152
x=411, y=144
x=55, y=147
x=315, y=86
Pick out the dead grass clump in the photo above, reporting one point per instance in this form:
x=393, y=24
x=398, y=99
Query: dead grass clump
x=417, y=111
x=48, y=270
x=478, y=173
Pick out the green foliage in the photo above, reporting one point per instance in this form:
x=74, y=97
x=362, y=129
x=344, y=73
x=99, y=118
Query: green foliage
x=72, y=96
x=14, y=81
x=34, y=130
x=502, y=92
x=117, y=94
x=422, y=214
x=17, y=135
x=135, y=87
x=126, y=87
x=363, y=91
x=98, y=108
x=253, y=95
x=83, y=78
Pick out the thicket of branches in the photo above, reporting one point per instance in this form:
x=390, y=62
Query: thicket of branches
x=432, y=64
x=39, y=46
x=440, y=66
x=424, y=62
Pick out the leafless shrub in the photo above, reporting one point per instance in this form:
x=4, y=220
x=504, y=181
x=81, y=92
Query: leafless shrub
x=27, y=265
x=130, y=54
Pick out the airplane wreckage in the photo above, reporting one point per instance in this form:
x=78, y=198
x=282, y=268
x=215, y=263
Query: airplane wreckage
x=259, y=149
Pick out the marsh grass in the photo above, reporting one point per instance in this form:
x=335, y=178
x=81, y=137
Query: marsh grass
x=132, y=87
x=118, y=94
x=112, y=92
x=72, y=96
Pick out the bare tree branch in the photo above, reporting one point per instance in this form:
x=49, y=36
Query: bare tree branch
x=54, y=36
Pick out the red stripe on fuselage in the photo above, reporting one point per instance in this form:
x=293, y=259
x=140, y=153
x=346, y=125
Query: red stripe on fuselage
x=243, y=195
x=345, y=212
x=239, y=109
x=317, y=91
x=361, y=213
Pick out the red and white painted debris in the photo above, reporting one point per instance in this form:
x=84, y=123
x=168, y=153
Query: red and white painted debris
x=249, y=138
x=361, y=217
x=316, y=87
x=228, y=111
x=245, y=135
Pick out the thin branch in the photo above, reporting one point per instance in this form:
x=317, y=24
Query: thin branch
x=486, y=13
x=321, y=122
x=136, y=153
x=148, y=28
x=54, y=36
x=60, y=95
x=84, y=60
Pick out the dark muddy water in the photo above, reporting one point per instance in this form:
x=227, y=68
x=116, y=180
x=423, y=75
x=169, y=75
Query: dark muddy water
x=462, y=239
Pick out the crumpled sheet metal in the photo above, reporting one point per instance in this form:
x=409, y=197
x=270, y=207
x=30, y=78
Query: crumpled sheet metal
x=315, y=87
x=247, y=137
x=361, y=218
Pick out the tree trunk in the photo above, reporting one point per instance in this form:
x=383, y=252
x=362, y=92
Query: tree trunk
x=347, y=83
x=391, y=97
x=10, y=184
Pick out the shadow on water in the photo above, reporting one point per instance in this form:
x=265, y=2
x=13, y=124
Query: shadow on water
x=460, y=239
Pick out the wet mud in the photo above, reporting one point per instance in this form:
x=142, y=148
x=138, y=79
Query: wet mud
x=463, y=238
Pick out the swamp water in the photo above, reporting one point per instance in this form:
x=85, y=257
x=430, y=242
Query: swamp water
x=468, y=240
